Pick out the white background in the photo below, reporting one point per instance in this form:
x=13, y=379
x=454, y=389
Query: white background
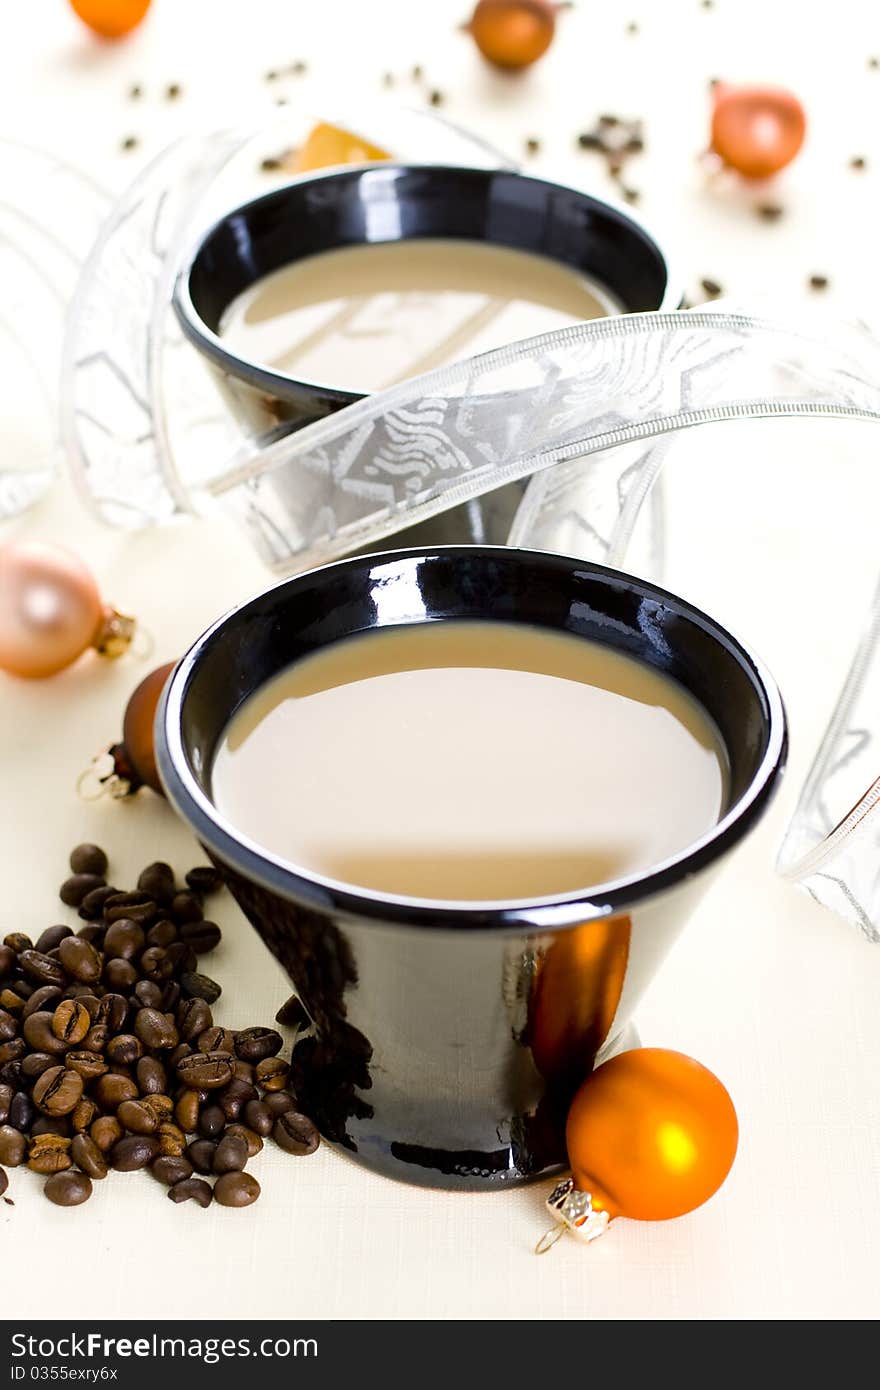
x=776, y=996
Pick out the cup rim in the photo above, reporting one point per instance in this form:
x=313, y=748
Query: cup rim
x=264, y=378
x=550, y=912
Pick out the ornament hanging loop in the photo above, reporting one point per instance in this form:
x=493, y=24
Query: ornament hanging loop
x=574, y=1211
x=549, y=1239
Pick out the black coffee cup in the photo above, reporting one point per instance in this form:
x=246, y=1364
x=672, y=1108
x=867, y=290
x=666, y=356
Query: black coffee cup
x=392, y=202
x=451, y=1037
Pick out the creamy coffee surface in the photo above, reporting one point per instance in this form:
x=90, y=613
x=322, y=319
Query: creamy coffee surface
x=471, y=761
x=364, y=317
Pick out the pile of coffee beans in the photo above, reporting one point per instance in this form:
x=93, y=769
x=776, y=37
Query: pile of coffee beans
x=110, y=1057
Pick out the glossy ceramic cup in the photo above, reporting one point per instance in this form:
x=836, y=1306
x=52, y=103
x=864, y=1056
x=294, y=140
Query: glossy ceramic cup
x=391, y=202
x=451, y=1036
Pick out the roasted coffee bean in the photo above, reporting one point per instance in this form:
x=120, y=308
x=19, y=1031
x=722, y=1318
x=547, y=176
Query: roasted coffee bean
x=6, y=1094
x=57, y=1091
x=236, y=1190
x=155, y=1029
x=192, y=1190
x=136, y=907
x=161, y=1105
x=292, y=1014
x=124, y=940
x=185, y=907
x=40, y=1035
x=84, y=1113
x=147, y=994
x=112, y=1011
x=193, y=1019
x=96, y=1038
x=88, y=859
x=204, y=879
x=151, y=1076
x=243, y=1070
x=231, y=1154
x=295, y=1133
x=43, y=1000
x=85, y=1152
x=78, y=991
x=252, y=1140
x=89, y=1065
x=68, y=1189
x=170, y=997
x=205, y=1071
x=92, y=905
x=13, y=1146
x=35, y=1063
x=18, y=941
x=259, y=1117
x=171, y=1168
x=51, y=1124
x=172, y=1140
x=137, y=1116
x=201, y=936
x=256, y=1044
x=157, y=880
x=10, y=1074
x=80, y=959
x=201, y=1154
x=216, y=1039
x=13, y=1001
x=8, y=959
x=8, y=1026
x=182, y=957
x=71, y=1021
x=176, y=1057
x=279, y=1102
x=162, y=933
x=156, y=965
x=134, y=1151
x=12, y=1051
x=111, y=1090
x=120, y=974
x=272, y=1074
x=43, y=969
x=124, y=1049
x=93, y=933
x=49, y=1153
x=186, y=1111
x=73, y=890
x=234, y=1097
x=200, y=987
x=50, y=938
x=212, y=1121
x=105, y=1132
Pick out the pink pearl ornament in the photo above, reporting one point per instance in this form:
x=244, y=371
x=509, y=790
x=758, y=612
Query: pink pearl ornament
x=51, y=611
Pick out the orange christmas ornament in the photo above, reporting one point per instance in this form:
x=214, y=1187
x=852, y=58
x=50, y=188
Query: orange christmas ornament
x=651, y=1135
x=513, y=34
x=112, y=19
x=756, y=130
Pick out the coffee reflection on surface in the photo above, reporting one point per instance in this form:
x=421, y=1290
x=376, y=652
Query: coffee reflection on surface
x=364, y=317
x=471, y=761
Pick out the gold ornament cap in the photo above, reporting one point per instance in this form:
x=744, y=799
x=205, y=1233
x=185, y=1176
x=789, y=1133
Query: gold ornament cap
x=573, y=1210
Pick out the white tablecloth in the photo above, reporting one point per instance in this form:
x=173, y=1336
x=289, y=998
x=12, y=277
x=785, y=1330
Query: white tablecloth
x=776, y=996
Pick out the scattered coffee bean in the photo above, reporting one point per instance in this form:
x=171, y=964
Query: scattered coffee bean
x=162, y=933
x=18, y=941
x=185, y=907
x=51, y=1124
x=259, y=1117
x=236, y=1190
x=252, y=1140
x=71, y=1021
x=79, y=959
x=112, y=1089
x=201, y=1154
x=50, y=938
x=134, y=1151
x=172, y=1140
x=7, y=961
x=49, y=1153
x=84, y=1113
x=151, y=1076
x=89, y=1065
x=216, y=1039
x=279, y=1102
x=171, y=1169
x=157, y=881
x=231, y=1154
x=194, y=1019
x=43, y=969
x=206, y=1071
x=138, y=1117
x=92, y=905
x=123, y=940
x=292, y=1014
x=68, y=1189
x=186, y=1111
x=105, y=1132
x=201, y=936
x=73, y=890
x=295, y=1133
x=87, y=1156
x=204, y=879
x=192, y=1190
x=57, y=1091
x=272, y=1074
x=212, y=1121
x=13, y=1146
x=155, y=1029
x=200, y=987
x=256, y=1044
x=88, y=859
